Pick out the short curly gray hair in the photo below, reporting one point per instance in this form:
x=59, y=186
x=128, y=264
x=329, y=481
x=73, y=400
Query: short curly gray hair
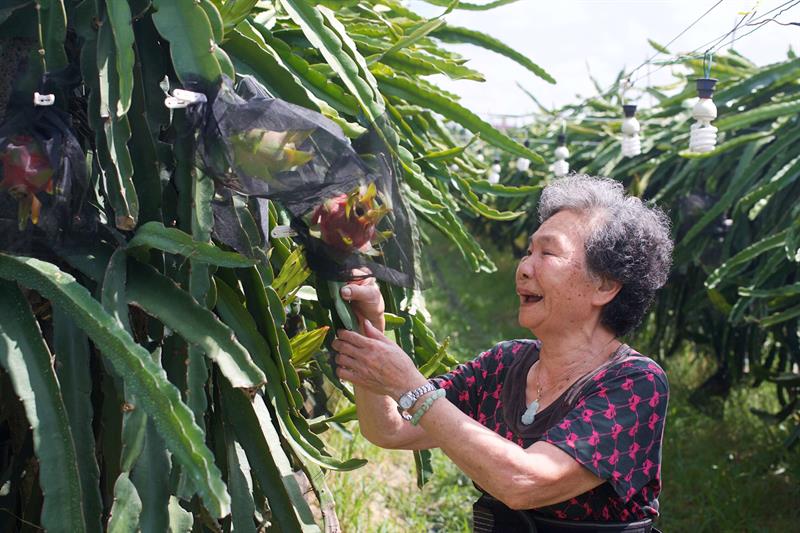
x=631, y=243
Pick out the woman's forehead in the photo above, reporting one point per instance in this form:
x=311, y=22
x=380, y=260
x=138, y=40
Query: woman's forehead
x=563, y=226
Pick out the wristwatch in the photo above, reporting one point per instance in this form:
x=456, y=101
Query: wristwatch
x=408, y=399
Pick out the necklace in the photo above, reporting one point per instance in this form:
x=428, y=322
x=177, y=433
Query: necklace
x=530, y=412
x=533, y=407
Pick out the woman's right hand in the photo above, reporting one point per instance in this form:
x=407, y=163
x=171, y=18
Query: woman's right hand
x=366, y=299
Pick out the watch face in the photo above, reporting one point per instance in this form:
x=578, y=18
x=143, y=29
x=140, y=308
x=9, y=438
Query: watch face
x=406, y=401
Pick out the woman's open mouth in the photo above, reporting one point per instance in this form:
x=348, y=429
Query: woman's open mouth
x=529, y=298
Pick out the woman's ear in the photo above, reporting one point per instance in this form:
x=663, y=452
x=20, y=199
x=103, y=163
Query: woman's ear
x=606, y=290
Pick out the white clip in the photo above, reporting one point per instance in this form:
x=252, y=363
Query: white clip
x=280, y=232
x=43, y=100
x=182, y=98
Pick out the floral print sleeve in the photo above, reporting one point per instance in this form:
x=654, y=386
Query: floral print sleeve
x=616, y=428
x=472, y=385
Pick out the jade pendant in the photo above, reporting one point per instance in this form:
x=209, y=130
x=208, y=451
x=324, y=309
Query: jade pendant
x=530, y=413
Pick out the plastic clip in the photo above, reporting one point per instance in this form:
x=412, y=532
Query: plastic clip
x=280, y=232
x=182, y=99
x=43, y=100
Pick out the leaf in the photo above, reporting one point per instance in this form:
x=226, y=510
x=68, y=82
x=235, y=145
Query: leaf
x=768, y=187
x=413, y=37
x=247, y=46
x=770, y=77
x=481, y=208
x=323, y=31
x=234, y=12
x=466, y=6
x=458, y=35
x=497, y=189
x=119, y=17
x=416, y=94
x=240, y=484
x=72, y=350
x=342, y=308
x=777, y=318
x=185, y=25
x=252, y=423
x=786, y=378
x=307, y=344
x=445, y=155
x=158, y=397
x=393, y=321
x=424, y=466
x=53, y=31
x=786, y=290
x=657, y=47
x=175, y=241
x=180, y=520
x=748, y=254
x=151, y=477
x=243, y=324
x=293, y=274
x=759, y=114
x=112, y=133
x=214, y=19
x=26, y=358
x=126, y=507
x=160, y=297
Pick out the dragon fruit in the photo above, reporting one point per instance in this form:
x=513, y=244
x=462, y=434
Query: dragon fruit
x=262, y=153
x=26, y=171
x=348, y=222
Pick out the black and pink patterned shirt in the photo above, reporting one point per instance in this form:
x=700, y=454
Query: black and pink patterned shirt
x=611, y=421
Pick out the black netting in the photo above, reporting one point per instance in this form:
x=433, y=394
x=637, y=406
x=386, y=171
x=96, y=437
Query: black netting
x=343, y=199
x=43, y=182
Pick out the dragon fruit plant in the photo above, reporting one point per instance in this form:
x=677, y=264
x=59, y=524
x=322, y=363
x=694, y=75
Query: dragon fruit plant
x=348, y=222
x=26, y=171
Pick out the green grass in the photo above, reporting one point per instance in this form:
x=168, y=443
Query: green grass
x=730, y=473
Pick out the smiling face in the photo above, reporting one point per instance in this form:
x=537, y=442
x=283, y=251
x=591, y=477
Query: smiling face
x=557, y=293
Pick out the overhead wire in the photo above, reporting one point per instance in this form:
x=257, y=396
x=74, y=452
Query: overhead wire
x=710, y=47
x=689, y=27
x=718, y=42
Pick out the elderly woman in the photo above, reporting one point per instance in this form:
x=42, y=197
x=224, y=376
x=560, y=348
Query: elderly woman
x=562, y=433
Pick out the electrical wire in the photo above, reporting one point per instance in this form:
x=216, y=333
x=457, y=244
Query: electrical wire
x=717, y=43
x=709, y=47
x=689, y=27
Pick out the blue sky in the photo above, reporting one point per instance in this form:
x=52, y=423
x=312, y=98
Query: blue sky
x=571, y=38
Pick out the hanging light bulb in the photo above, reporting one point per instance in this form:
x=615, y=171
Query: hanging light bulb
x=524, y=164
x=631, y=144
x=494, y=172
x=703, y=136
x=560, y=167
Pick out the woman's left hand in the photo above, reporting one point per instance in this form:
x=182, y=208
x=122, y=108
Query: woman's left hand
x=375, y=362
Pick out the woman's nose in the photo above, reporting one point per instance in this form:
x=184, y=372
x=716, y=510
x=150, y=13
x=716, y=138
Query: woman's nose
x=525, y=268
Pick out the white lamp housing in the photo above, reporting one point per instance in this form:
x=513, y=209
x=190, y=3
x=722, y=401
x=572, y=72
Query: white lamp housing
x=703, y=136
x=494, y=172
x=560, y=167
x=631, y=144
x=524, y=164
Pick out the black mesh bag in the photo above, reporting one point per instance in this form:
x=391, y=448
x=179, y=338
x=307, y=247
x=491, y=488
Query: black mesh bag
x=343, y=199
x=43, y=182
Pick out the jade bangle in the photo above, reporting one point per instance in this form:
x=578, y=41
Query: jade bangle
x=439, y=393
